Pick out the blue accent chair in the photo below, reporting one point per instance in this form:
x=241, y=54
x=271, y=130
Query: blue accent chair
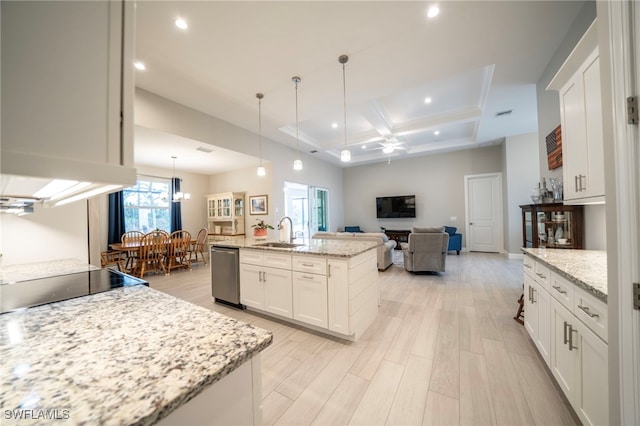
x=455, y=240
x=352, y=229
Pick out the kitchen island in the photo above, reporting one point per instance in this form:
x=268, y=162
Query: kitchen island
x=128, y=356
x=329, y=286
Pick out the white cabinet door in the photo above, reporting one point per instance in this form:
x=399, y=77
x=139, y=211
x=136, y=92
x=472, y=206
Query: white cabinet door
x=310, y=299
x=530, y=307
x=277, y=291
x=594, y=185
x=543, y=339
x=591, y=402
x=63, y=100
x=251, y=286
x=338, y=295
x=564, y=354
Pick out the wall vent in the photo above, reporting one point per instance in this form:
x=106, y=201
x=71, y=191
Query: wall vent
x=204, y=149
x=501, y=113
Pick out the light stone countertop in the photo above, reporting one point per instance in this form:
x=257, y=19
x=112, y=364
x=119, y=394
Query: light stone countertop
x=315, y=247
x=585, y=268
x=127, y=356
x=31, y=271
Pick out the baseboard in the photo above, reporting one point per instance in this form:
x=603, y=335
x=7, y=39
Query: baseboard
x=515, y=256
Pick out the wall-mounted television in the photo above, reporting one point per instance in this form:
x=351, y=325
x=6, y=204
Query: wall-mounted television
x=395, y=207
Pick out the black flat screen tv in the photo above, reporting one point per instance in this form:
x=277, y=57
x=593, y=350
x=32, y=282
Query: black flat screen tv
x=395, y=207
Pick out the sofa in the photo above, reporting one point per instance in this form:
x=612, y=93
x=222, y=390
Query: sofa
x=385, y=248
x=426, y=250
x=455, y=239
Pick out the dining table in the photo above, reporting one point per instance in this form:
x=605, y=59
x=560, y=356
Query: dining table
x=132, y=248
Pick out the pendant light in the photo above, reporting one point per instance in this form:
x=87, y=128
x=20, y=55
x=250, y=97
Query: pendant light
x=297, y=165
x=345, y=155
x=261, y=170
x=178, y=196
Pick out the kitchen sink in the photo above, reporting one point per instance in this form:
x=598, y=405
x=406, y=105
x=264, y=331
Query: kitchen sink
x=278, y=245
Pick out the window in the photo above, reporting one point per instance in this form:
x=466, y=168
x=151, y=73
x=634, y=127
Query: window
x=147, y=205
x=307, y=206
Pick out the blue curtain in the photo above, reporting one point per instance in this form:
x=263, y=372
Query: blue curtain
x=116, y=217
x=176, y=210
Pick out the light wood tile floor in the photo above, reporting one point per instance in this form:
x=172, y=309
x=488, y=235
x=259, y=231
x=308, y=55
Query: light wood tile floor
x=443, y=350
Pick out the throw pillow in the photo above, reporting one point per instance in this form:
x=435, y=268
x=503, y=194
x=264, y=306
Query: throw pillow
x=429, y=229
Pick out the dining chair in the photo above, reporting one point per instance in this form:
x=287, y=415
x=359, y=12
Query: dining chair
x=113, y=258
x=131, y=237
x=178, y=254
x=198, y=247
x=151, y=255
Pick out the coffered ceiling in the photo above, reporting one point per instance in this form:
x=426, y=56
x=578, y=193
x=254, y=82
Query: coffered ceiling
x=477, y=61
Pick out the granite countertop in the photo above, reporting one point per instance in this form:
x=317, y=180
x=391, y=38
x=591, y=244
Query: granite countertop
x=31, y=271
x=127, y=356
x=315, y=247
x=585, y=268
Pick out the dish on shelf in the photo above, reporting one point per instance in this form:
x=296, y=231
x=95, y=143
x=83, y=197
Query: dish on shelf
x=563, y=244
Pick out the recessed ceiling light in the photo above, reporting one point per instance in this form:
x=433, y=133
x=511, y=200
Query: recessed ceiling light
x=364, y=147
x=139, y=65
x=437, y=132
x=433, y=11
x=427, y=100
x=334, y=125
x=181, y=23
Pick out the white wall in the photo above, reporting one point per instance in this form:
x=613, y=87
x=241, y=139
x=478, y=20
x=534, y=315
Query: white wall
x=549, y=119
x=436, y=180
x=159, y=113
x=522, y=174
x=47, y=234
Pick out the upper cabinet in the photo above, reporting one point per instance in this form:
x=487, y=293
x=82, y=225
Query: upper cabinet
x=578, y=85
x=67, y=90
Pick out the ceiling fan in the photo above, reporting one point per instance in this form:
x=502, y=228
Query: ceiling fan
x=389, y=145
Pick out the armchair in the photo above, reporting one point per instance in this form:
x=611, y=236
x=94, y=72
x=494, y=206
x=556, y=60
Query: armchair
x=455, y=240
x=426, y=250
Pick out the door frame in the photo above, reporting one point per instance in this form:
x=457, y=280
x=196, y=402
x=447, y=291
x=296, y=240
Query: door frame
x=621, y=78
x=499, y=208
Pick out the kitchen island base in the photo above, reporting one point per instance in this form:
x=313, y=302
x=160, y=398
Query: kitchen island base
x=234, y=400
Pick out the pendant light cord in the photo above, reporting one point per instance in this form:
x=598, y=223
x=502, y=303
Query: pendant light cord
x=344, y=97
x=297, y=80
x=260, y=126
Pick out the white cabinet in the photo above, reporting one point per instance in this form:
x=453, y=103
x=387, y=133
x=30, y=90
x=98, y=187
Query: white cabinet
x=225, y=215
x=578, y=85
x=338, y=296
x=310, y=299
x=536, y=314
x=265, y=282
x=310, y=290
x=579, y=363
x=68, y=102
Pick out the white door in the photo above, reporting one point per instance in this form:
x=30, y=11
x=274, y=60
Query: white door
x=483, y=205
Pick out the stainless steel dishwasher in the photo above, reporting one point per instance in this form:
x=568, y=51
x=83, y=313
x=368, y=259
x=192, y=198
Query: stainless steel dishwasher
x=225, y=275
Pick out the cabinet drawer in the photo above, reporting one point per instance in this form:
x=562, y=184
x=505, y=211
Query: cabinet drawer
x=311, y=264
x=277, y=260
x=252, y=257
x=543, y=275
x=562, y=290
x=592, y=312
x=528, y=265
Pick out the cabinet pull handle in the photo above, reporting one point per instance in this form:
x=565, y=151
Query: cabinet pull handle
x=533, y=292
x=576, y=182
x=583, y=188
x=529, y=294
x=307, y=277
x=564, y=339
x=264, y=276
x=526, y=265
x=329, y=270
x=558, y=289
x=308, y=265
x=586, y=310
x=541, y=275
x=259, y=276
x=571, y=330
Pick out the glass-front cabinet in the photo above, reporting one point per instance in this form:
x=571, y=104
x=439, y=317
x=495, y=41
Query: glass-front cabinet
x=552, y=225
x=225, y=215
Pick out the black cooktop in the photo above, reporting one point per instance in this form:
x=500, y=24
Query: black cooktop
x=26, y=294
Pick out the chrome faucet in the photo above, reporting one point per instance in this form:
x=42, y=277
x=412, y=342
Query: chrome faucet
x=290, y=227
